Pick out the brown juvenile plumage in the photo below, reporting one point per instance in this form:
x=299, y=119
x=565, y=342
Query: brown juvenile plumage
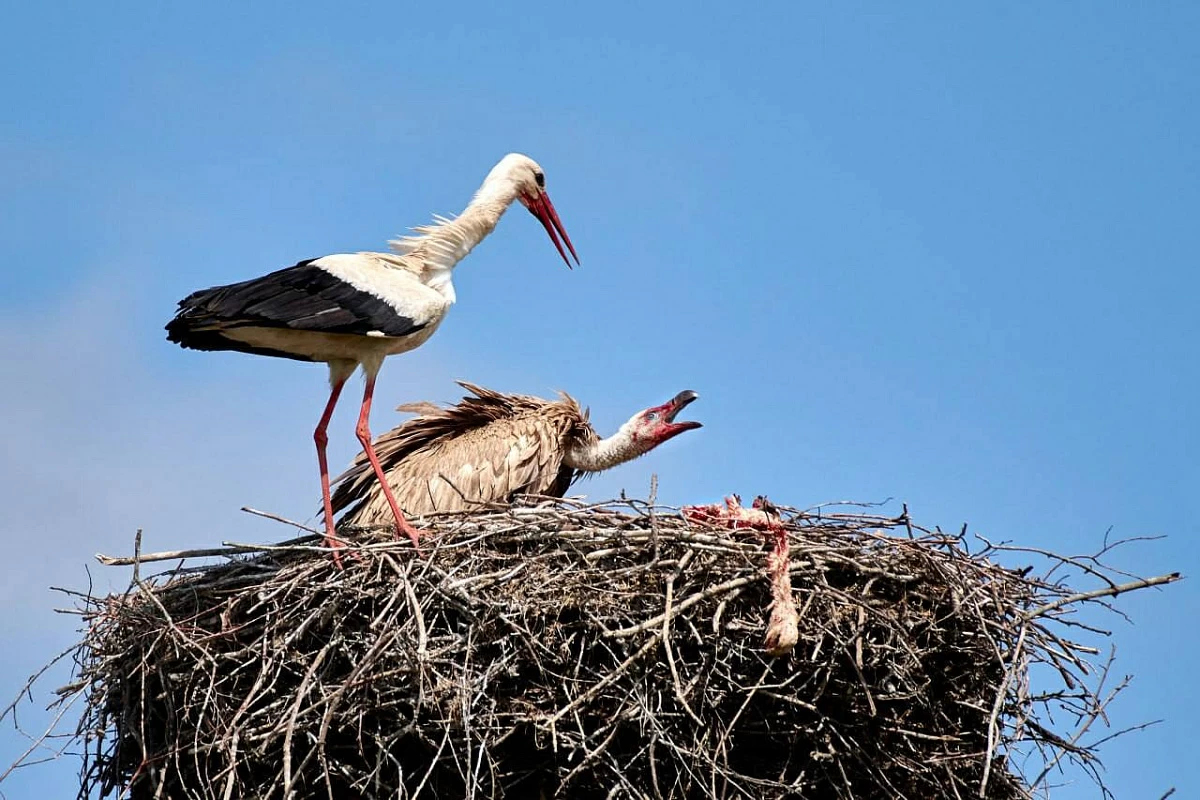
x=490, y=447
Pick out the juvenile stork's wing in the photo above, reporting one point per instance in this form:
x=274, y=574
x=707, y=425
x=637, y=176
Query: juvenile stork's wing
x=483, y=450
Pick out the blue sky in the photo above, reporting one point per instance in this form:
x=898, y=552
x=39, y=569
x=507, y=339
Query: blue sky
x=941, y=254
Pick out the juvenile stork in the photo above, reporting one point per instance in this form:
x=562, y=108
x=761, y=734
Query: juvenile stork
x=492, y=446
x=354, y=309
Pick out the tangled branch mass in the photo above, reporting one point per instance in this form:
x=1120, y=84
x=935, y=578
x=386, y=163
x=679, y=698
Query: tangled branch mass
x=615, y=650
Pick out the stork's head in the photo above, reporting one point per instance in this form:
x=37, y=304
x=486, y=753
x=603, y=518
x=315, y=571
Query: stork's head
x=529, y=181
x=643, y=432
x=650, y=428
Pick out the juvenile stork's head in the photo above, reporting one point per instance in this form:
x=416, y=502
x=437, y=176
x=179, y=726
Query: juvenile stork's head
x=650, y=428
x=528, y=180
x=643, y=432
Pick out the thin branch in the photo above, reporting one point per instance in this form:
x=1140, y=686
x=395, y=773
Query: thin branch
x=1108, y=591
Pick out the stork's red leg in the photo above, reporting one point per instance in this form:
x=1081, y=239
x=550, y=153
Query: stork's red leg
x=320, y=437
x=364, y=436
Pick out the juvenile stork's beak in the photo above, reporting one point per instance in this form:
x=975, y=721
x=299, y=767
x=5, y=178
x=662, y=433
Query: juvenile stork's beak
x=540, y=206
x=678, y=403
x=671, y=409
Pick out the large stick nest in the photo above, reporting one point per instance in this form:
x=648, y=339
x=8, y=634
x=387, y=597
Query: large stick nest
x=563, y=650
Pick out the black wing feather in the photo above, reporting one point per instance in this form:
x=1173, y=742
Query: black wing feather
x=302, y=297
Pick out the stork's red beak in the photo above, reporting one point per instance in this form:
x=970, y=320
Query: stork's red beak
x=669, y=410
x=541, y=207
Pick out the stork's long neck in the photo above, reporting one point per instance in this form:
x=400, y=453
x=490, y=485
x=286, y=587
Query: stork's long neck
x=439, y=247
x=602, y=454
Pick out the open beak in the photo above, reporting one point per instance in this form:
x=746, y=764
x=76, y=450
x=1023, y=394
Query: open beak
x=671, y=409
x=541, y=207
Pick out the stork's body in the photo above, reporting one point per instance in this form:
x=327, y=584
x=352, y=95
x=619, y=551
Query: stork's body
x=492, y=446
x=356, y=309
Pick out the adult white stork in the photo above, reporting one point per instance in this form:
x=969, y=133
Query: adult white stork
x=492, y=446
x=354, y=309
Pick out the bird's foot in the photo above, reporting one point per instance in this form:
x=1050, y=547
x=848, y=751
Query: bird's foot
x=414, y=535
x=335, y=545
x=337, y=558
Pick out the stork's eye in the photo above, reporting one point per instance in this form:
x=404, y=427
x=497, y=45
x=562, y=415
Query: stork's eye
x=652, y=416
x=540, y=179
